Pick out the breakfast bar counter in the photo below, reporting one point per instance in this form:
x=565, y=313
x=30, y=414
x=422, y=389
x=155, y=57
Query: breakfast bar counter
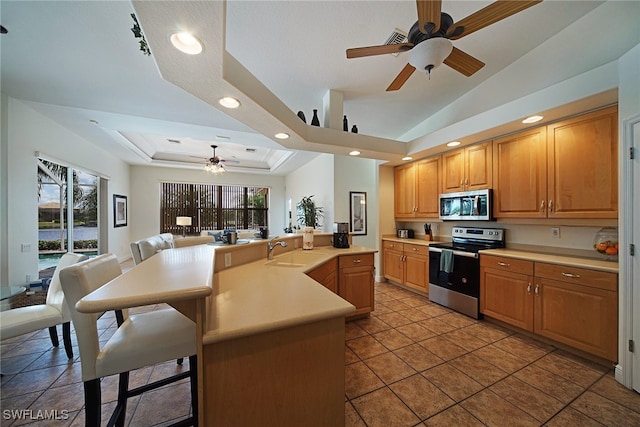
x=270, y=339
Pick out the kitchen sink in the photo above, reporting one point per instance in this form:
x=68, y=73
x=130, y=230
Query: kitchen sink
x=296, y=259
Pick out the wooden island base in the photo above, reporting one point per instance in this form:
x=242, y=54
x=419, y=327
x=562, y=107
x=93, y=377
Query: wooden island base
x=286, y=377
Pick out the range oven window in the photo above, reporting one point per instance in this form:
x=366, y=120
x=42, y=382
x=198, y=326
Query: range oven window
x=464, y=278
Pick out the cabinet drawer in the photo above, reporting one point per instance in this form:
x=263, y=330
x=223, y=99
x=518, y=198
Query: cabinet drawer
x=386, y=244
x=507, y=264
x=416, y=249
x=581, y=276
x=355, y=260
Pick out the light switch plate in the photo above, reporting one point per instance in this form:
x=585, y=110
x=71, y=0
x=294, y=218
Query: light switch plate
x=227, y=260
x=555, y=232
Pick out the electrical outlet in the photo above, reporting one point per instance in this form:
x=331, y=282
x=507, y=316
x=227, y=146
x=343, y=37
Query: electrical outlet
x=227, y=260
x=555, y=232
x=25, y=247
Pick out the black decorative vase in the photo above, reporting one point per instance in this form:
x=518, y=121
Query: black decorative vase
x=315, y=121
x=354, y=129
x=345, y=124
x=302, y=117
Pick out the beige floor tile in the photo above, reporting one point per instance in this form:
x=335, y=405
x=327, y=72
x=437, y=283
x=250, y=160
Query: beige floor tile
x=436, y=325
x=383, y=408
x=350, y=356
x=359, y=379
x=480, y=370
x=493, y=410
x=465, y=340
x=372, y=325
x=504, y=360
x=605, y=411
x=434, y=310
x=457, y=320
x=167, y=403
x=523, y=347
x=539, y=405
x=418, y=357
x=558, y=387
x=608, y=387
x=30, y=381
x=389, y=367
x=353, y=330
x=487, y=332
x=397, y=305
x=414, y=314
x=443, y=348
x=454, y=416
x=453, y=382
x=421, y=396
x=571, y=368
x=351, y=417
x=366, y=347
x=570, y=417
x=416, y=332
x=394, y=319
x=392, y=339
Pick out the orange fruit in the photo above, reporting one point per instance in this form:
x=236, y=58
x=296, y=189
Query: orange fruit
x=611, y=250
x=616, y=245
x=602, y=246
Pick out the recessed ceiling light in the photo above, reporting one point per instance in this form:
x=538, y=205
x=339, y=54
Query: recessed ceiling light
x=354, y=153
x=186, y=43
x=453, y=144
x=282, y=135
x=229, y=102
x=407, y=158
x=532, y=119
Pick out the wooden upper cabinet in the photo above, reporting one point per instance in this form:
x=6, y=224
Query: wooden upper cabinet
x=469, y=168
x=428, y=177
x=405, y=191
x=520, y=175
x=582, y=163
x=417, y=189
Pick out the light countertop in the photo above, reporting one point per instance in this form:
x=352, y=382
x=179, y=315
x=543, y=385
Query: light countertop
x=571, y=261
x=257, y=297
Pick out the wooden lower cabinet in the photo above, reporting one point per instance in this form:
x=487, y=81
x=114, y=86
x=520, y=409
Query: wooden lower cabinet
x=327, y=275
x=356, y=282
x=407, y=264
x=574, y=306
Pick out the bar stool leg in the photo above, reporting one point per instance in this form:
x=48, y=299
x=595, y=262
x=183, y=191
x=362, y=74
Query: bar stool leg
x=92, y=400
x=53, y=333
x=193, y=374
x=66, y=339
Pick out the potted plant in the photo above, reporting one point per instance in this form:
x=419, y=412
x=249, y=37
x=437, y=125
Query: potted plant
x=308, y=215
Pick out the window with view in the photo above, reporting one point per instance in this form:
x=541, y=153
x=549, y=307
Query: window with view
x=212, y=207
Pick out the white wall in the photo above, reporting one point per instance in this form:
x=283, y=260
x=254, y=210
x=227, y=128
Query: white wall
x=315, y=179
x=144, y=203
x=24, y=132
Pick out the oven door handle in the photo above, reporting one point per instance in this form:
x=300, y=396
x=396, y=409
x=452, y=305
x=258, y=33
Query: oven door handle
x=457, y=253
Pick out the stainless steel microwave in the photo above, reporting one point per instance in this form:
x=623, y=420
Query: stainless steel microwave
x=467, y=206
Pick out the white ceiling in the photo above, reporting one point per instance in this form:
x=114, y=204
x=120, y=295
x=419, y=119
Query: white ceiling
x=78, y=63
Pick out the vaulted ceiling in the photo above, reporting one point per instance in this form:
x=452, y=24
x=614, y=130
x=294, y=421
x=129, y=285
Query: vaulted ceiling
x=79, y=64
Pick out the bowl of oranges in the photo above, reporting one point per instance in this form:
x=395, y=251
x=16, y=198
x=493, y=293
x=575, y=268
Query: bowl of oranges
x=605, y=243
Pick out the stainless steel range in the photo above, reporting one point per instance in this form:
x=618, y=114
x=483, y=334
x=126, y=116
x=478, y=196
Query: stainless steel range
x=454, y=268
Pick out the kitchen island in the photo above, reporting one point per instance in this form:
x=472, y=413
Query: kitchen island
x=270, y=338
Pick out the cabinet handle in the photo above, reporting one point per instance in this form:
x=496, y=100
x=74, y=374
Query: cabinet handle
x=414, y=249
x=504, y=264
x=466, y=183
x=571, y=276
x=537, y=290
x=542, y=206
x=529, y=288
x=550, y=205
x=357, y=261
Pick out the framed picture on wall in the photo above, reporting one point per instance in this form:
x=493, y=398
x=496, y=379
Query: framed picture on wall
x=358, y=212
x=119, y=210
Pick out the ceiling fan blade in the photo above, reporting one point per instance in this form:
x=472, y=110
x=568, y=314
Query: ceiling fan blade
x=429, y=15
x=358, y=52
x=463, y=62
x=491, y=14
x=401, y=78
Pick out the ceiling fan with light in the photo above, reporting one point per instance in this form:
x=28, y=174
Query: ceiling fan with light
x=429, y=39
x=215, y=164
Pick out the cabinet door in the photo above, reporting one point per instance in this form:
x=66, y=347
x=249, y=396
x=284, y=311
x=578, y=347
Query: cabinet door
x=583, y=317
x=520, y=175
x=583, y=166
x=416, y=271
x=404, y=191
x=326, y=275
x=507, y=297
x=453, y=171
x=393, y=265
x=356, y=286
x=428, y=178
x=478, y=164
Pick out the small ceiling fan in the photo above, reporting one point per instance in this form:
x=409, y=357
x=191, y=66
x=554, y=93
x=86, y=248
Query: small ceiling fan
x=430, y=38
x=215, y=164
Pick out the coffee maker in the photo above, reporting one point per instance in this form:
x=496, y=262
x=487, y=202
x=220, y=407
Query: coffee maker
x=340, y=234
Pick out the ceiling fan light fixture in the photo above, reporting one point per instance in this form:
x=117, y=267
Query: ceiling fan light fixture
x=186, y=43
x=532, y=119
x=430, y=53
x=229, y=102
x=215, y=169
x=282, y=135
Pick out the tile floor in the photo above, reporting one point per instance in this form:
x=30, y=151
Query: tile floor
x=412, y=363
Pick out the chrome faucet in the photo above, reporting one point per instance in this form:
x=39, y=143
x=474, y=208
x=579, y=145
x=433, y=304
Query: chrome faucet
x=271, y=246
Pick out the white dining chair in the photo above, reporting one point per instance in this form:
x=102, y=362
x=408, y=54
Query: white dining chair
x=22, y=320
x=141, y=340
